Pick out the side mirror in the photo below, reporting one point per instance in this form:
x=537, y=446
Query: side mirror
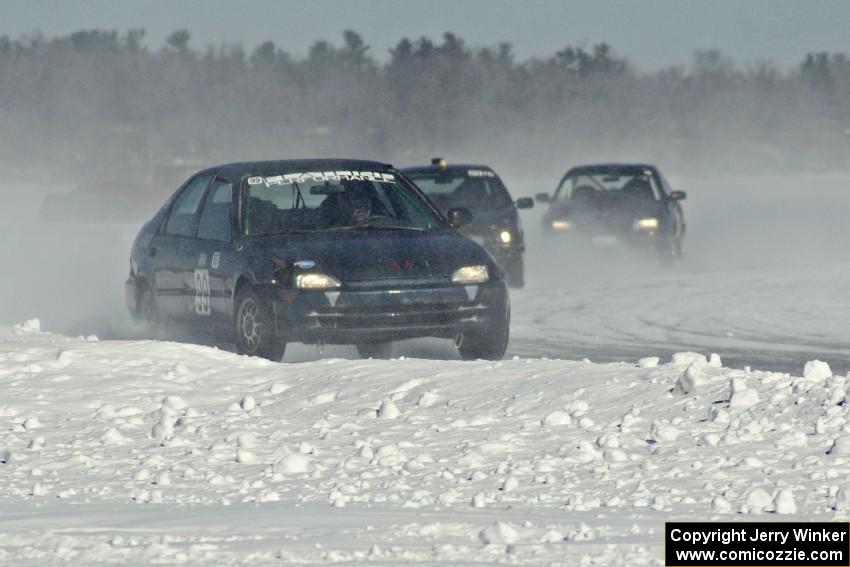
x=543, y=198
x=678, y=195
x=525, y=203
x=459, y=216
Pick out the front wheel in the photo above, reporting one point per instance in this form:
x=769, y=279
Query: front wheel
x=515, y=270
x=671, y=251
x=255, y=329
x=484, y=344
x=375, y=350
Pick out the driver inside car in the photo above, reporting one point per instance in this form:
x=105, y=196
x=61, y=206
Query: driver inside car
x=353, y=207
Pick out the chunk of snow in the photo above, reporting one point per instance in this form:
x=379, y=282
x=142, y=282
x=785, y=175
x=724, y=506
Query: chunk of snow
x=427, y=399
x=499, y=533
x=649, y=362
x=246, y=441
x=737, y=384
x=720, y=505
x=511, y=483
x=479, y=500
x=28, y=326
x=388, y=410
x=557, y=417
x=664, y=432
x=8, y=411
x=714, y=360
x=113, y=437
x=689, y=380
x=784, y=502
x=248, y=403
x=744, y=399
x=245, y=456
x=816, y=370
x=293, y=464
x=163, y=430
x=758, y=501
x=32, y=423
x=688, y=358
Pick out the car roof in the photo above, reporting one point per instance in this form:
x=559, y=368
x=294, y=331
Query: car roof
x=453, y=168
x=275, y=167
x=625, y=168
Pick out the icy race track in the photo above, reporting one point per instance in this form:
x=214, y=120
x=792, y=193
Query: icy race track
x=130, y=451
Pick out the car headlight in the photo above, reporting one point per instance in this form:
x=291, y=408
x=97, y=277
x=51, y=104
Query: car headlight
x=561, y=224
x=316, y=281
x=471, y=274
x=646, y=224
x=505, y=236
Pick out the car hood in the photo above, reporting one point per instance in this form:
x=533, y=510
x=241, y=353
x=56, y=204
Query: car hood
x=357, y=255
x=485, y=222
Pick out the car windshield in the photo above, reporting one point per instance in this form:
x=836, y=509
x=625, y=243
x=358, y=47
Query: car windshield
x=587, y=185
x=476, y=190
x=332, y=200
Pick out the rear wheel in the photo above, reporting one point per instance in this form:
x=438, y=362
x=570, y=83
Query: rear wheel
x=147, y=315
x=255, y=330
x=375, y=350
x=484, y=344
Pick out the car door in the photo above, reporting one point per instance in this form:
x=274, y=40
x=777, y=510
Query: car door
x=213, y=273
x=171, y=249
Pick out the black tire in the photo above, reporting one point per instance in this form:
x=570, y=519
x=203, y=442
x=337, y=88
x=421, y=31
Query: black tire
x=671, y=251
x=487, y=344
x=254, y=328
x=515, y=270
x=375, y=350
x=147, y=315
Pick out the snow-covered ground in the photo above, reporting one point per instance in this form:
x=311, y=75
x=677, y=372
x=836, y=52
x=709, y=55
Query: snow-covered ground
x=130, y=451
x=137, y=451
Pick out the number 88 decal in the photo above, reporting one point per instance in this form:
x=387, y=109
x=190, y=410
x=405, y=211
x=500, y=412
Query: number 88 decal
x=202, y=292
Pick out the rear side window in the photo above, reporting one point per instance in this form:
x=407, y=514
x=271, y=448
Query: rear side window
x=181, y=221
x=215, y=216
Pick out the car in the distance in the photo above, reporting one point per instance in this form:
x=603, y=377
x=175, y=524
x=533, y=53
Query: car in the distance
x=616, y=204
x=495, y=223
x=315, y=251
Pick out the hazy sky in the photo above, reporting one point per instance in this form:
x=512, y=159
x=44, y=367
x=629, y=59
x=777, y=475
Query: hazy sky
x=651, y=33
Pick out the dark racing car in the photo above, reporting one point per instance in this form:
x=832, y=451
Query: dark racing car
x=316, y=251
x=616, y=204
x=495, y=223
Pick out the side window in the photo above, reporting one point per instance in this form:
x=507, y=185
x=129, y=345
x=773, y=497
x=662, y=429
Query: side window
x=215, y=215
x=181, y=221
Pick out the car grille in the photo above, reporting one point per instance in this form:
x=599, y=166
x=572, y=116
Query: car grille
x=394, y=316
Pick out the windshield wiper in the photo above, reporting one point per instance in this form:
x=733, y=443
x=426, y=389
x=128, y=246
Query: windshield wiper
x=285, y=231
x=376, y=227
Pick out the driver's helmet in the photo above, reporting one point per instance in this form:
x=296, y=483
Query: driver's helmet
x=638, y=186
x=357, y=199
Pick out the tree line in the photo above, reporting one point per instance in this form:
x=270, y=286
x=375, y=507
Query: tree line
x=103, y=96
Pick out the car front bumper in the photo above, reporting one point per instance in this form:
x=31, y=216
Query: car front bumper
x=390, y=310
x=609, y=239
